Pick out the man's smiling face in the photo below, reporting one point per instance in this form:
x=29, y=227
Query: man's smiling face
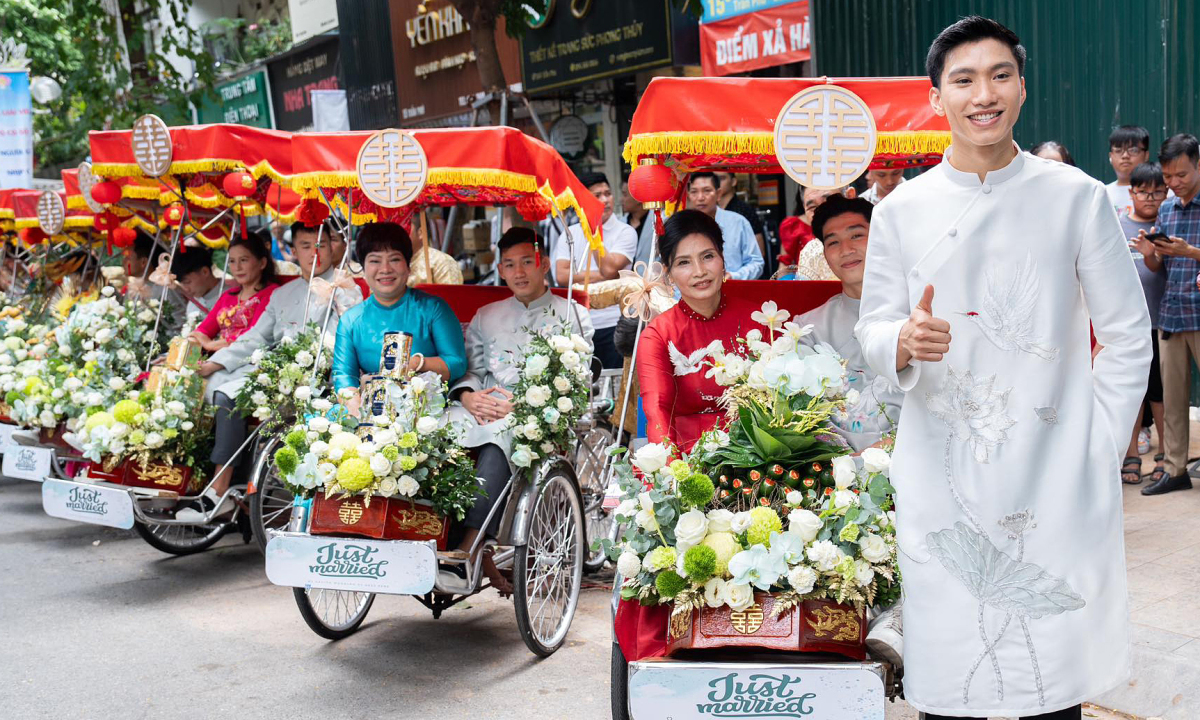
x=981, y=93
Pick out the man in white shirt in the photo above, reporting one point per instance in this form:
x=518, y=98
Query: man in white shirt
x=193, y=273
x=881, y=183
x=1128, y=147
x=620, y=245
x=743, y=260
x=843, y=225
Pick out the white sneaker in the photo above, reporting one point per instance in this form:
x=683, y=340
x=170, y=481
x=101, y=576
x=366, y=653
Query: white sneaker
x=1144, y=441
x=208, y=499
x=885, y=637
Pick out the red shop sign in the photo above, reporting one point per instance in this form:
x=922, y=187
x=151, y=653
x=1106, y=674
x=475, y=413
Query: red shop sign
x=774, y=36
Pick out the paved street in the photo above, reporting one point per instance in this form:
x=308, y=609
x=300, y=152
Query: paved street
x=100, y=625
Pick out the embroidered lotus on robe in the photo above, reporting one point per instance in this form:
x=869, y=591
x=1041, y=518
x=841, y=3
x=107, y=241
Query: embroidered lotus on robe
x=973, y=411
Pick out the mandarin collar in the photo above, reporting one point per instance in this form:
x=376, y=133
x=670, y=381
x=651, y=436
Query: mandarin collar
x=691, y=314
x=971, y=180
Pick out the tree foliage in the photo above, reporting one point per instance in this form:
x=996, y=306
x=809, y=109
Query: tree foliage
x=106, y=83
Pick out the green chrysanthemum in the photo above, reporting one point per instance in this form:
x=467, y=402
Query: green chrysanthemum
x=286, y=460
x=408, y=440
x=298, y=439
x=680, y=469
x=355, y=474
x=669, y=584
x=849, y=533
x=98, y=420
x=407, y=462
x=725, y=545
x=126, y=410
x=696, y=490
x=660, y=558
x=700, y=563
x=763, y=522
x=390, y=452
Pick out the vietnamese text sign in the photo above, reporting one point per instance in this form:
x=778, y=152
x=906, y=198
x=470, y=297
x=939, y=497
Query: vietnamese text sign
x=393, y=567
x=16, y=130
x=775, y=36
x=611, y=38
x=295, y=76
x=707, y=691
x=88, y=503
x=244, y=101
x=722, y=9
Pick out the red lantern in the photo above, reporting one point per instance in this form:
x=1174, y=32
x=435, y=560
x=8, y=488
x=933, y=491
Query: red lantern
x=652, y=184
x=173, y=215
x=106, y=193
x=312, y=212
x=533, y=208
x=32, y=236
x=124, y=237
x=239, y=184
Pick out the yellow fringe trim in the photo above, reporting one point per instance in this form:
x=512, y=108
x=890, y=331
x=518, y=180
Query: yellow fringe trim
x=7, y=213
x=78, y=221
x=466, y=177
x=76, y=202
x=566, y=199
x=262, y=167
x=23, y=223
x=922, y=142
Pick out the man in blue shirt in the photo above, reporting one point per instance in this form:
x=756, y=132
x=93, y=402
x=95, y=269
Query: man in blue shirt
x=1179, y=314
x=743, y=260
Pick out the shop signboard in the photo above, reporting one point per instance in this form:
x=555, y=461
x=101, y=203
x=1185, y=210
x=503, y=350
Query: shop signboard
x=244, y=101
x=294, y=76
x=777, y=34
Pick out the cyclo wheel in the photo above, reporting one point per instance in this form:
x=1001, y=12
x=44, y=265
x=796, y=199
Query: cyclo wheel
x=589, y=464
x=180, y=539
x=548, y=569
x=271, y=503
x=333, y=614
x=619, y=685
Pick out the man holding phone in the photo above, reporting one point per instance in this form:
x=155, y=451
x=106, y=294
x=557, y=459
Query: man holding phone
x=1177, y=241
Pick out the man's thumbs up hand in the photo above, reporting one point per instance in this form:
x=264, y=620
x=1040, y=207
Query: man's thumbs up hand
x=923, y=337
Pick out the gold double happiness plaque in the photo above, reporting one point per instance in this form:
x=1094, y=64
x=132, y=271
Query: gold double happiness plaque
x=824, y=137
x=392, y=168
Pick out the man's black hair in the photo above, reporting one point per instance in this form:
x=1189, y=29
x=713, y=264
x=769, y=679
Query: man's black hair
x=519, y=236
x=1147, y=174
x=381, y=237
x=1177, y=146
x=145, y=247
x=685, y=223
x=186, y=263
x=839, y=205
x=1127, y=136
x=972, y=28
x=301, y=227
x=712, y=176
x=591, y=179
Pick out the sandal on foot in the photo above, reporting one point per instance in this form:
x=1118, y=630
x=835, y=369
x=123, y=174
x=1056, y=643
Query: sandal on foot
x=1131, y=471
x=497, y=579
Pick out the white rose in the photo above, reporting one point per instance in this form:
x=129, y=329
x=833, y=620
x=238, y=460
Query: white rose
x=645, y=501
x=533, y=432
x=565, y=405
x=262, y=413
x=874, y=548
x=418, y=385
x=336, y=454
x=259, y=397
x=825, y=555
x=740, y=522
x=303, y=393
x=321, y=405
x=187, y=425
x=794, y=497
x=124, y=355
x=104, y=335
x=651, y=458
x=47, y=419
x=690, y=529
x=844, y=498
x=562, y=384
x=256, y=356
x=863, y=572
x=286, y=340
x=522, y=456
x=318, y=423
x=57, y=394
x=535, y=365
x=263, y=379
x=560, y=343
x=154, y=440
x=739, y=597
x=628, y=564
x=87, y=345
x=380, y=465
x=802, y=579
x=388, y=487
x=714, y=592
x=627, y=508
x=304, y=358
x=804, y=523
x=581, y=345
x=107, y=291
x=844, y=472
x=718, y=520
x=537, y=395
x=645, y=520
x=407, y=486
x=319, y=448
x=366, y=449
x=158, y=415
x=116, y=383
x=548, y=448
x=176, y=408
x=118, y=430
x=570, y=359
x=95, y=398
x=876, y=460
x=72, y=384
x=285, y=387
x=426, y=424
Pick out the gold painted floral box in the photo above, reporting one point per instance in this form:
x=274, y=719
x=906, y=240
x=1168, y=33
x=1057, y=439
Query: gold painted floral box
x=811, y=626
x=156, y=476
x=383, y=519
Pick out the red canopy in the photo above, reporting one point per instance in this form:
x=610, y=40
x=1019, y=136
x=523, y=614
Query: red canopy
x=78, y=213
x=728, y=123
x=473, y=166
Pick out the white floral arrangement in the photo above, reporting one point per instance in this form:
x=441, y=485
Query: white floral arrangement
x=414, y=454
x=550, y=396
x=775, y=503
x=285, y=380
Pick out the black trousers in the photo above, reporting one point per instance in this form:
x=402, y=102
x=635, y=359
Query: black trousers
x=1075, y=713
x=605, y=349
x=492, y=466
x=229, y=428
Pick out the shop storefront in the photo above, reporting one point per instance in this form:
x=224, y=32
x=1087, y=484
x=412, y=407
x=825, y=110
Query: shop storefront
x=295, y=74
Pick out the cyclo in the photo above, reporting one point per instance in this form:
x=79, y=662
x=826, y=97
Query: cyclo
x=183, y=185
x=339, y=552
x=823, y=133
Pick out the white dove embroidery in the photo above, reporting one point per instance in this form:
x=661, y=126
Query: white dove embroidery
x=688, y=364
x=1007, y=317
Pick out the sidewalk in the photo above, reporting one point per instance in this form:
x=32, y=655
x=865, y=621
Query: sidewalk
x=1162, y=552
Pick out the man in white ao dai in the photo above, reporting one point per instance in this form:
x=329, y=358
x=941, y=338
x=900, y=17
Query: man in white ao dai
x=1006, y=459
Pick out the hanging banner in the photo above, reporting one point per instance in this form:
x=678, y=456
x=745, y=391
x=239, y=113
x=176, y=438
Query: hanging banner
x=721, y=9
x=16, y=130
x=777, y=35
